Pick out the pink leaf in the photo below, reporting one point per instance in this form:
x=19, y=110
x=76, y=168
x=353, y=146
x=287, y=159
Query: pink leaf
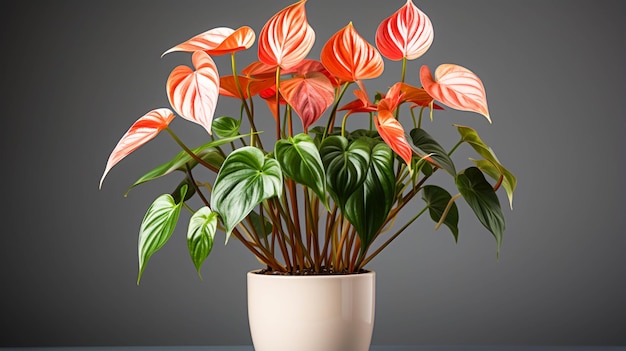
x=309, y=96
x=142, y=131
x=218, y=41
x=407, y=33
x=456, y=87
x=193, y=95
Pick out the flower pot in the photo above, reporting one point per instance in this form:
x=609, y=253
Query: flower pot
x=311, y=313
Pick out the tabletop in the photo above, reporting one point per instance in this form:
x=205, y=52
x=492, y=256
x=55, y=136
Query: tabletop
x=373, y=348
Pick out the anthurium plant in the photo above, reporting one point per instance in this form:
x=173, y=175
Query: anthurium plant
x=312, y=196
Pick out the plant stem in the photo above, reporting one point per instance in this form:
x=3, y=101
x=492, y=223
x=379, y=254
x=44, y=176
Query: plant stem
x=386, y=243
x=253, y=139
x=331, y=119
x=278, y=136
x=193, y=183
x=191, y=153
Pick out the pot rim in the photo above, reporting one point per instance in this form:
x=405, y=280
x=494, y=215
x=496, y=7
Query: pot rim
x=254, y=273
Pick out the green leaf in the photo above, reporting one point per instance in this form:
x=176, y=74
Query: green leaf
x=300, y=160
x=367, y=208
x=191, y=190
x=483, y=200
x=423, y=141
x=226, y=127
x=206, y=152
x=157, y=226
x=246, y=179
x=346, y=165
x=437, y=200
x=471, y=137
x=200, y=235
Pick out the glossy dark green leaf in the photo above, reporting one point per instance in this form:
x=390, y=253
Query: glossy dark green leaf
x=494, y=170
x=200, y=236
x=300, y=160
x=191, y=190
x=157, y=226
x=368, y=207
x=346, y=165
x=429, y=146
x=483, y=200
x=226, y=127
x=246, y=179
x=437, y=200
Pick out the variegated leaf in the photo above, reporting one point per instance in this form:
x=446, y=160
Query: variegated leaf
x=408, y=33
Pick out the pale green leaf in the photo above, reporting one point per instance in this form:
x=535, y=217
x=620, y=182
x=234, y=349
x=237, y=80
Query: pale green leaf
x=200, y=235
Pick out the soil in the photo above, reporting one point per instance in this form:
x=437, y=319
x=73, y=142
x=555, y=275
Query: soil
x=311, y=271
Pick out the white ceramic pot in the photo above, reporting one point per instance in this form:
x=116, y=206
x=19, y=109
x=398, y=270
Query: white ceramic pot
x=311, y=313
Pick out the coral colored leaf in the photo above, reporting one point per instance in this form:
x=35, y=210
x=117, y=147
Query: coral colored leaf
x=309, y=66
x=417, y=96
x=249, y=86
x=408, y=33
x=142, y=131
x=347, y=56
x=286, y=38
x=361, y=104
x=193, y=95
x=259, y=70
x=309, y=96
x=456, y=87
x=393, y=134
x=218, y=41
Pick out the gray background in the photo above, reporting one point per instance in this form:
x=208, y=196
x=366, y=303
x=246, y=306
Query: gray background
x=76, y=74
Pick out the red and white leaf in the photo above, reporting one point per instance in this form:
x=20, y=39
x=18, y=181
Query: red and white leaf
x=249, y=86
x=286, y=38
x=309, y=96
x=142, y=131
x=347, y=56
x=456, y=87
x=391, y=131
x=218, y=41
x=407, y=33
x=193, y=94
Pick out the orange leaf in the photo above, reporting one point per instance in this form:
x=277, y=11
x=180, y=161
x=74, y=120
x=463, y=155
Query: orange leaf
x=193, y=95
x=259, y=70
x=407, y=33
x=391, y=131
x=361, y=104
x=228, y=87
x=456, y=87
x=286, y=38
x=218, y=41
x=309, y=96
x=142, y=131
x=347, y=56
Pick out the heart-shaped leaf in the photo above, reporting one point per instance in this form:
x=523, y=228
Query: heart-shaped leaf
x=218, y=41
x=309, y=96
x=200, y=235
x=286, y=38
x=457, y=87
x=367, y=208
x=246, y=179
x=423, y=141
x=408, y=33
x=509, y=181
x=437, y=199
x=142, y=131
x=483, y=200
x=157, y=226
x=300, y=160
x=226, y=127
x=193, y=95
x=347, y=56
x=346, y=164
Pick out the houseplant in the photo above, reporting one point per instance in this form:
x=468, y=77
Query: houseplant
x=312, y=197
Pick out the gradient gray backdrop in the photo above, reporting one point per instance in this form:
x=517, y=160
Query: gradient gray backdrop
x=76, y=74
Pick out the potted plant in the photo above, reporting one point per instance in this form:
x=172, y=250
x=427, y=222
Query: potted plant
x=313, y=200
